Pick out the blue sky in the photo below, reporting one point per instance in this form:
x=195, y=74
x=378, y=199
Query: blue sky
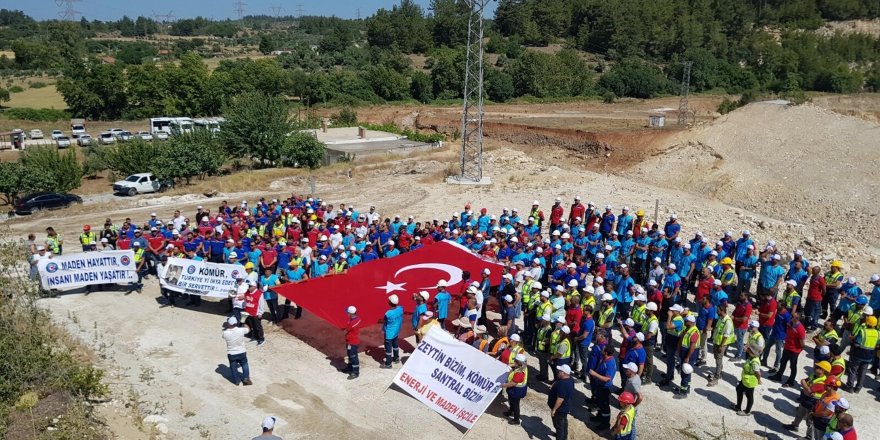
x=216, y=9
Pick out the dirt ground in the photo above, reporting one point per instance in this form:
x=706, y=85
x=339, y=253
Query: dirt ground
x=167, y=366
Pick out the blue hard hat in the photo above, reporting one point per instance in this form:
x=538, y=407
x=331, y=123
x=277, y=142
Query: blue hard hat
x=862, y=300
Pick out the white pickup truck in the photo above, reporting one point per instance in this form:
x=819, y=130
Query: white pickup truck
x=140, y=183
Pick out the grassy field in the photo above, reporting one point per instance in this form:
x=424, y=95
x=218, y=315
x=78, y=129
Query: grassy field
x=45, y=97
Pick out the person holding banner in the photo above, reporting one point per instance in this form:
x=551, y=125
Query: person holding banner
x=391, y=323
x=169, y=295
x=516, y=386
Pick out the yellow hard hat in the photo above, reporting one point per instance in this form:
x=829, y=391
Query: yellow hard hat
x=824, y=365
x=640, y=213
x=249, y=265
x=726, y=260
x=837, y=264
x=871, y=321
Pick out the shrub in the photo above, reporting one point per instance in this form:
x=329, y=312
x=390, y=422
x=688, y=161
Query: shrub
x=37, y=85
x=34, y=114
x=16, y=89
x=345, y=118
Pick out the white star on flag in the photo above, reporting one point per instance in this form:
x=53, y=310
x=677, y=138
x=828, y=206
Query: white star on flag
x=392, y=287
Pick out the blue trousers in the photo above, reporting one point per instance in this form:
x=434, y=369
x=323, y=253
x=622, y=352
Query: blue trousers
x=392, y=351
x=236, y=361
x=353, y=361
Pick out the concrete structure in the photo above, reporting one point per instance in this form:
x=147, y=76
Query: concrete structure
x=657, y=121
x=345, y=142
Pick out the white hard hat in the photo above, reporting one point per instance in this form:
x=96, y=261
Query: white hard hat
x=537, y=285
x=566, y=329
x=393, y=299
x=520, y=358
x=691, y=318
x=351, y=310
x=425, y=295
x=232, y=321
x=651, y=306
x=508, y=298
x=572, y=283
x=564, y=368
x=687, y=369
x=441, y=283
x=515, y=337
x=671, y=266
x=607, y=297
x=629, y=322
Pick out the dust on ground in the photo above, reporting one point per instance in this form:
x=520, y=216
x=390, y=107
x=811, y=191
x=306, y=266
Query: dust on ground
x=167, y=365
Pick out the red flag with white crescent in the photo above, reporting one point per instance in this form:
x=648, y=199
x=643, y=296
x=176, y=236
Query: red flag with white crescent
x=368, y=285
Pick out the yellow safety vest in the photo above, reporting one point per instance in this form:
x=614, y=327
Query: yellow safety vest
x=138, y=255
x=555, y=336
x=513, y=352
x=630, y=414
x=522, y=370
x=544, y=308
x=869, y=338
x=339, y=266
x=53, y=243
x=88, y=238
x=833, y=278
x=567, y=353
x=646, y=327
x=672, y=331
x=606, y=316
x=542, y=339
x=816, y=380
x=754, y=338
x=853, y=315
x=718, y=338
x=638, y=315
x=588, y=300
x=278, y=230
x=728, y=278
x=749, y=378
x=830, y=335
x=842, y=363
x=526, y=292
x=688, y=333
x=789, y=299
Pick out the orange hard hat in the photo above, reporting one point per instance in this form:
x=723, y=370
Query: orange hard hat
x=86, y=227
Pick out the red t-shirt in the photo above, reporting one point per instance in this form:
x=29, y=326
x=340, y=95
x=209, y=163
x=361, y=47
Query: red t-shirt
x=556, y=214
x=353, y=331
x=157, y=243
x=703, y=288
x=519, y=377
x=793, y=337
x=849, y=434
x=770, y=308
x=817, y=285
x=269, y=256
x=573, y=319
x=743, y=310
x=123, y=244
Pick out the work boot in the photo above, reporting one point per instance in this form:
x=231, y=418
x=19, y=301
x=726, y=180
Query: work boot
x=508, y=413
x=514, y=422
x=247, y=382
x=353, y=376
x=712, y=382
x=385, y=366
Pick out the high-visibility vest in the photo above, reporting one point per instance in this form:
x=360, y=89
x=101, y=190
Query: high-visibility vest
x=638, y=315
x=869, y=338
x=497, y=345
x=842, y=363
x=830, y=335
x=588, y=300
x=339, y=266
x=542, y=343
x=728, y=277
x=756, y=340
x=513, y=352
x=567, y=353
x=278, y=230
x=526, y=292
x=53, y=243
x=482, y=345
x=832, y=423
x=817, y=380
x=630, y=414
x=688, y=333
x=647, y=325
x=672, y=331
x=718, y=338
x=522, y=370
x=138, y=255
x=749, y=379
x=789, y=299
x=853, y=316
x=555, y=336
x=832, y=278
x=544, y=308
x=606, y=316
x=88, y=238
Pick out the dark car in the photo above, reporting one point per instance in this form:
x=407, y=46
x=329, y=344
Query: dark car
x=33, y=203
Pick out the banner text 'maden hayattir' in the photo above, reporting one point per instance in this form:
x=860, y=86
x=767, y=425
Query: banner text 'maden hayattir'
x=89, y=263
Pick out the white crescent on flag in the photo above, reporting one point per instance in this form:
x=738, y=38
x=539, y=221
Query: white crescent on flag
x=453, y=272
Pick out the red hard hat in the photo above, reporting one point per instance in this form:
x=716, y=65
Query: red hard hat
x=626, y=398
x=832, y=381
x=86, y=227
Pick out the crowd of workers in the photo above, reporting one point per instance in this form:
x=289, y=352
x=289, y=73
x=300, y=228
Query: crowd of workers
x=593, y=295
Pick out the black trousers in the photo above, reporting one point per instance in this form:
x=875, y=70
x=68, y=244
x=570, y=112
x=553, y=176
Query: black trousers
x=514, y=407
x=749, y=393
x=256, y=326
x=560, y=424
x=790, y=358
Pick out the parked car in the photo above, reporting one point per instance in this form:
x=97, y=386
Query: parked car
x=63, y=142
x=33, y=203
x=161, y=135
x=107, y=138
x=124, y=136
x=140, y=183
x=84, y=140
x=145, y=135
x=116, y=131
x=36, y=134
x=56, y=134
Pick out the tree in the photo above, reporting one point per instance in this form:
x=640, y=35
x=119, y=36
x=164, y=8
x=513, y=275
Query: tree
x=635, y=78
x=302, y=150
x=387, y=84
x=499, y=85
x=49, y=170
x=136, y=52
x=257, y=126
x=450, y=21
x=420, y=87
x=12, y=177
x=93, y=90
x=4, y=95
x=404, y=26
x=267, y=44
x=94, y=161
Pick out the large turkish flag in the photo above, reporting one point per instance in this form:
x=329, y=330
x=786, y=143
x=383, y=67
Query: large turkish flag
x=368, y=285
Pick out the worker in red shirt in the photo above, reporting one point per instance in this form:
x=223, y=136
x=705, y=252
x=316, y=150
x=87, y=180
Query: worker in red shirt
x=352, y=341
x=556, y=213
x=767, y=315
x=741, y=315
x=795, y=334
x=814, y=298
x=269, y=257
x=577, y=210
x=845, y=427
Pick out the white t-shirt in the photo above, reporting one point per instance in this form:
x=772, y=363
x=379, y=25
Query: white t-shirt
x=240, y=291
x=234, y=338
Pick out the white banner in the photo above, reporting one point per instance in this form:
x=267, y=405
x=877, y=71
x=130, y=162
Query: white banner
x=452, y=378
x=201, y=277
x=65, y=272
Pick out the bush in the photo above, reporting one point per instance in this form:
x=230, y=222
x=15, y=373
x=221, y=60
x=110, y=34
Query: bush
x=34, y=114
x=635, y=78
x=345, y=118
x=37, y=85
x=48, y=169
x=302, y=150
x=16, y=89
x=411, y=135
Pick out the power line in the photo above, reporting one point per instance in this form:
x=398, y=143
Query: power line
x=238, y=7
x=685, y=91
x=163, y=18
x=67, y=12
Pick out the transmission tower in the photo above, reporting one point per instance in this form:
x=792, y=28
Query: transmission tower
x=685, y=91
x=276, y=10
x=68, y=12
x=238, y=7
x=164, y=18
x=472, y=119
x=299, y=10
